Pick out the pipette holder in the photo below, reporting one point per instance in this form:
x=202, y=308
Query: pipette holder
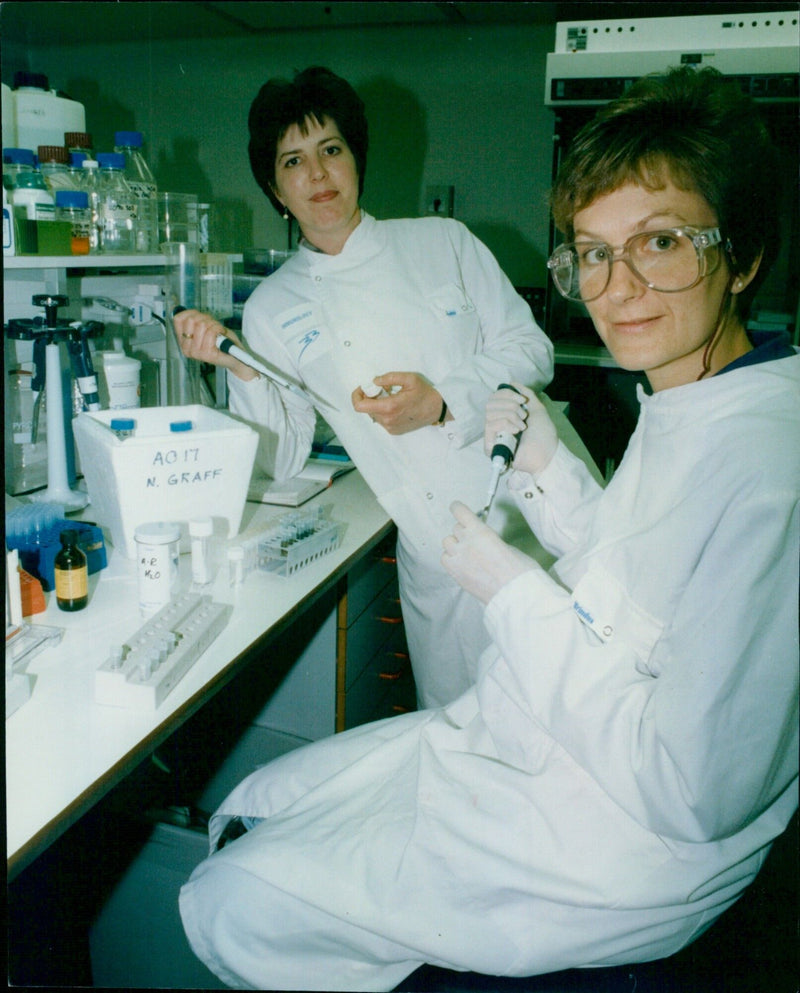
x=55, y=332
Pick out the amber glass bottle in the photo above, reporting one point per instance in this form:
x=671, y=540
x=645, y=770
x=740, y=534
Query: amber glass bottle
x=71, y=573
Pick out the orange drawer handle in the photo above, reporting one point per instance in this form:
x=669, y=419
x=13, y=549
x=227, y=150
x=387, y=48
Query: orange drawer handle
x=390, y=620
x=390, y=675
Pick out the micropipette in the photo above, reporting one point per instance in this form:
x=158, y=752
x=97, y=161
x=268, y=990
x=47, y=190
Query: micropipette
x=503, y=450
x=226, y=345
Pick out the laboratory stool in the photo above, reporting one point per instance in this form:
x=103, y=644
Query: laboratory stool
x=752, y=948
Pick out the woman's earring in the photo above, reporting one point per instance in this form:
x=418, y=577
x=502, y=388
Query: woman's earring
x=285, y=213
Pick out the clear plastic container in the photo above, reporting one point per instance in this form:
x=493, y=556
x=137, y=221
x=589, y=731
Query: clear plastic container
x=117, y=207
x=140, y=179
x=16, y=161
x=90, y=184
x=25, y=455
x=157, y=551
x=201, y=531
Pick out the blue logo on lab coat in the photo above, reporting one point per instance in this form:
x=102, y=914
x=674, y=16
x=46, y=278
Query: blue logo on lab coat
x=307, y=339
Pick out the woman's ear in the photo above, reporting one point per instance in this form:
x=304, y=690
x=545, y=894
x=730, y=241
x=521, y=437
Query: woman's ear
x=743, y=280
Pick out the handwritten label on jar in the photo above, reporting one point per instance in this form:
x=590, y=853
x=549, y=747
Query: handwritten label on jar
x=157, y=558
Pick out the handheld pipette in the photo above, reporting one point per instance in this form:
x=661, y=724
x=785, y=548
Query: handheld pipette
x=503, y=450
x=226, y=345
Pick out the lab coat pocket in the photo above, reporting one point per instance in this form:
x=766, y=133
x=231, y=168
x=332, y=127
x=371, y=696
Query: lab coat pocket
x=605, y=607
x=451, y=301
x=304, y=336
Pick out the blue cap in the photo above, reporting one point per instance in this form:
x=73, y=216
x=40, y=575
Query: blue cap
x=111, y=160
x=76, y=159
x=131, y=139
x=181, y=426
x=72, y=198
x=22, y=156
x=122, y=424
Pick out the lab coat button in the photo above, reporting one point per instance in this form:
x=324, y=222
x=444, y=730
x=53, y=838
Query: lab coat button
x=318, y=279
x=528, y=494
x=608, y=631
x=346, y=344
x=429, y=496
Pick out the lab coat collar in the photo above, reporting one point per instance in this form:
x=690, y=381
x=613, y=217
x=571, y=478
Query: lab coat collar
x=359, y=247
x=766, y=381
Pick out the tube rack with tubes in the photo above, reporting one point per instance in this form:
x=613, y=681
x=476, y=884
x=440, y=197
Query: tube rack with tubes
x=141, y=672
x=33, y=529
x=289, y=543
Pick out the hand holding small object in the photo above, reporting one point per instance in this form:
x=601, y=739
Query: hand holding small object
x=197, y=335
x=514, y=412
x=406, y=402
x=203, y=338
x=480, y=561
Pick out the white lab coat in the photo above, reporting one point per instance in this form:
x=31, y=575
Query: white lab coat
x=419, y=296
x=614, y=779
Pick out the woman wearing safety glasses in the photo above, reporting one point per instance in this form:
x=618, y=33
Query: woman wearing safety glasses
x=615, y=778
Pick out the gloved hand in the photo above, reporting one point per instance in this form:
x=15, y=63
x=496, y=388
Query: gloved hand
x=513, y=413
x=478, y=559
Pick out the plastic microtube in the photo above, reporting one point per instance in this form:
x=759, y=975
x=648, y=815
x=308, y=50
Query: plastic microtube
x=200, y=532
x=371, y=390
x=236, y=565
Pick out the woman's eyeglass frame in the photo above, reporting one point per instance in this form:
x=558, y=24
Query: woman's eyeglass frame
x=701, y=238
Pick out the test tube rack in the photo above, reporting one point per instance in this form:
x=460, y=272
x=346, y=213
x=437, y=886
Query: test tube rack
x=297, y=540
x=143, y=671
x=293, y=540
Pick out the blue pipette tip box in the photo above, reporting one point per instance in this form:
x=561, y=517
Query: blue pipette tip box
x=39, y=559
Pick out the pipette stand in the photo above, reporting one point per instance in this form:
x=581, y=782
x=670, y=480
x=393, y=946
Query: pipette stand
x=54, y=332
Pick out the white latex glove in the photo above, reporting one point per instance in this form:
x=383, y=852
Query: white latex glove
x=478, y=559
x=510, y=412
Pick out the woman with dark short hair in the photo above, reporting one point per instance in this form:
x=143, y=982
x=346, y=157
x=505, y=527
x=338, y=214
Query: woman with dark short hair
x=416, y=311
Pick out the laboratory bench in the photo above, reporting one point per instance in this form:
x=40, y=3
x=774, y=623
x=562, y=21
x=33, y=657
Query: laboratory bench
x=64, y=751
x=107, y=805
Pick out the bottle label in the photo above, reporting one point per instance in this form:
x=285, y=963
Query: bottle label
x=8, y=232
x=71, y=584
x=116, y=211
x=144, y=191
x=43, y=212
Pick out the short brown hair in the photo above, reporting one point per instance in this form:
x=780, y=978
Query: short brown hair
x=702, y=132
